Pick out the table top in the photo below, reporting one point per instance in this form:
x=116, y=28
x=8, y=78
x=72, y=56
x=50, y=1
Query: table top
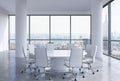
x=59, y=53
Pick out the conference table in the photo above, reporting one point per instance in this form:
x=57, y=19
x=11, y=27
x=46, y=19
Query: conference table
x=57, y=59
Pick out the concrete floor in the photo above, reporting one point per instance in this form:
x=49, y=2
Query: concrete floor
x=10, y=70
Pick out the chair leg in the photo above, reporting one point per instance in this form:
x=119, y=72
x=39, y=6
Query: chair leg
x=75, y=79
x=90, y=68
x=97, y=70
x=23, y=71
x=66, y=73
x=37, y=72
x=25, y=68
x=37, y=78
x=74, y=74
x=81, y=72
x=45, y=74
x=37, y=75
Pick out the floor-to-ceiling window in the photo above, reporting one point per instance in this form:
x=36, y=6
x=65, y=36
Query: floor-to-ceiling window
x=12, y=32
x=80, y=30
x=111, y=32
x=115, y=29
x=39, y=29
x=105, y=30
x=60, y=30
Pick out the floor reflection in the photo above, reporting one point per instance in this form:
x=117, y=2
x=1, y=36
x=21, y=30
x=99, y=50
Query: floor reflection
x=10, y=68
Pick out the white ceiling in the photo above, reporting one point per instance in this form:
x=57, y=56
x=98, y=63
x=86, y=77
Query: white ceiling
x=33, y=6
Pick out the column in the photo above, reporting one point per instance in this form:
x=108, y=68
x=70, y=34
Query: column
x=21, y=26
x=97, y=37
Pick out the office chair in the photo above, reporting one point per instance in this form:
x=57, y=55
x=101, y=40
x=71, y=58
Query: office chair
x=90, y=57
x=75, y=60
x=50, y=47
x=87, y=51
x=31, y=51
x=29, y=63
x=41, y=60
x=69, y=46
x=88, y=48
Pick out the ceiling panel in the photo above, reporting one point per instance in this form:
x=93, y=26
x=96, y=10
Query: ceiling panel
x=48, y=5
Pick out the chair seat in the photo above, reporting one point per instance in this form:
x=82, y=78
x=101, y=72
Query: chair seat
x=32, y=56
x=32, y=61
x=87, y=60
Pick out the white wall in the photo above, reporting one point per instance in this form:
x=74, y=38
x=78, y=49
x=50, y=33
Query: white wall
x=3, y=30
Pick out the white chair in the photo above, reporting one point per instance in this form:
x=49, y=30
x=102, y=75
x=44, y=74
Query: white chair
x=41, y=59
x=50, y=47
x=88, y=47
x=88, y=50
x=75, y=61
x=28, y=62
x=31, y=50
x=90, y=57
x=69, y=46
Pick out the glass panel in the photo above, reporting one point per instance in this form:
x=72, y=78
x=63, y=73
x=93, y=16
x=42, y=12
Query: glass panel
x=61, y=44
x=105, y=47
x=27, y=27
x=12, y=31
x=115, y=29
x=60, y=27
x=105, y=23
x=115, y=20
x=39, y=27
x=115, y=49
x=12, y=27
x=81, y=43
x=12, y=44
x=105, y=30
x=39, y=42
x=80, y=27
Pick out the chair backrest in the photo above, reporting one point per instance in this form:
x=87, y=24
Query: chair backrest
x=41, y=56
x=76, y=57
x=69, y=46
x=25, y=57
x=31, y=49
x=88, y=50
x=93, y=53
x=50, y=47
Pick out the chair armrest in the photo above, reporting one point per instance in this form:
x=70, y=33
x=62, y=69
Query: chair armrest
x=49, y=62
x=66, y=63
x=66, y=60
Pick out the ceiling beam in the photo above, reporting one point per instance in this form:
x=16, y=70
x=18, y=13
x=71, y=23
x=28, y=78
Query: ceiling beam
x=107, y=3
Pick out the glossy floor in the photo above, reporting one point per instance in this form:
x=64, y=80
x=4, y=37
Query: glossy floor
x=10, y=70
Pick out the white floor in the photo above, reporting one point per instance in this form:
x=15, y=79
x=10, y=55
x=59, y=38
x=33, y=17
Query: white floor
x=10, y=70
